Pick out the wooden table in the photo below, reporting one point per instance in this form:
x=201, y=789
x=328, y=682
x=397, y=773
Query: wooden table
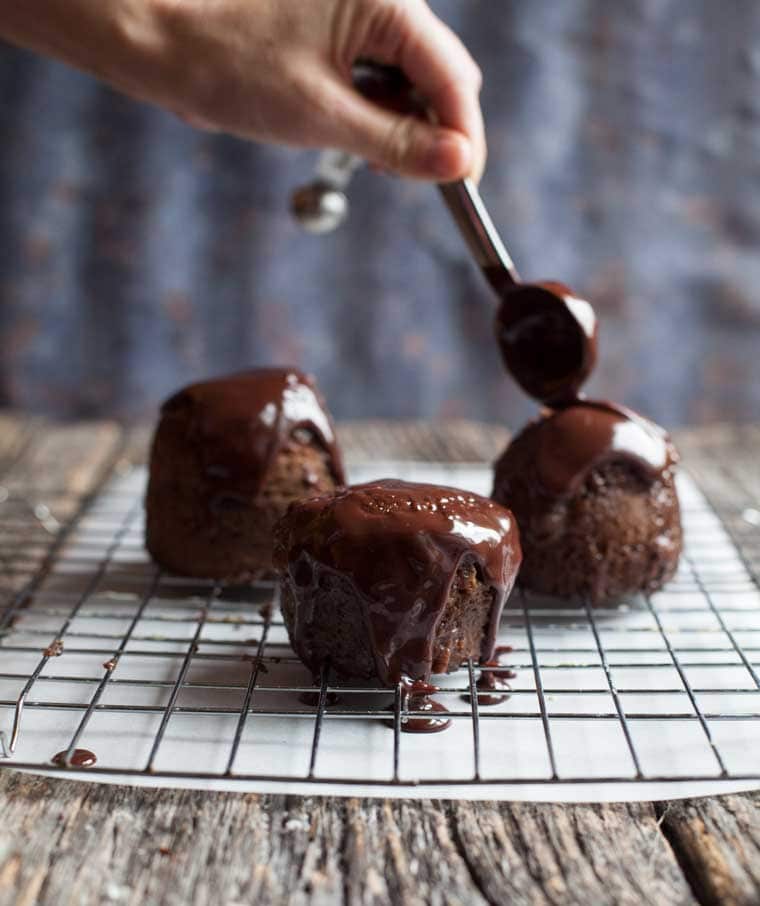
x=64, y=842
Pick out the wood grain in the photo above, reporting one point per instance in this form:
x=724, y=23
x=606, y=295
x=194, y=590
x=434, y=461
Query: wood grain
x=544, y=853
x=63, y=842
x=60, y=468
x=448, y=441
x=68, y=842
x=717, y=842
x=15, y=433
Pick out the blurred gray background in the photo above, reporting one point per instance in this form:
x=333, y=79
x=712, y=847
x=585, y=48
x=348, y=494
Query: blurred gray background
x=137, y=254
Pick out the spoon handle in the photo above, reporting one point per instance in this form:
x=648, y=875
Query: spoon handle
x=474, y=222
x=389, y=86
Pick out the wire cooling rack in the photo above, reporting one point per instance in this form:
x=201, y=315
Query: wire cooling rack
x=181, y=679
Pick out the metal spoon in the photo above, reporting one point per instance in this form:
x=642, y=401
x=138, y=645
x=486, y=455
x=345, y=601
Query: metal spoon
x=546, y=334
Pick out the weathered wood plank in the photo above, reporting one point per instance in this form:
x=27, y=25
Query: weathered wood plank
x=15, y=432
x=68, y=842
x=404, y=852
x=56, y=471
x=717, y=842
x=65, y=460
x=724, y=463
x=452, y=441
x=525, y=853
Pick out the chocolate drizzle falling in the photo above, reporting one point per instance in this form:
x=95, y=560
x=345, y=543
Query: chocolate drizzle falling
x=399, y=546
x=239, y=423
x=576, y=439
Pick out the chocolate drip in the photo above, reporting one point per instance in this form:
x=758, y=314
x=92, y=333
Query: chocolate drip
x=80, y=758
x=398, y=545
x=240, y=423
x=496, y=677
x=415, y=696
x=585, y=434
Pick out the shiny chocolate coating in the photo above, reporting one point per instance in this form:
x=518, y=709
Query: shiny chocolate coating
x=548, y=340
x=80, y=758
x=574, y=440
x=399, y=545
x=592, y=486
x=240, y=422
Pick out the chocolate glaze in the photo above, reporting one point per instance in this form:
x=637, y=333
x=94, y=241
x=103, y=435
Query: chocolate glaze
x=80, y=758
x=592, y=488
x=415, y=696
x=574, y=440
x=548, y=339
x=496, y=677
x=399, y=545
x=239, y=423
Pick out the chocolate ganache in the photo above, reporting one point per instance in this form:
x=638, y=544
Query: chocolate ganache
x=574, y=440
x=240, y=422
x=548, y=339
x=396, y=547
x=228, y=457
x=80, y=758
x=592, y=487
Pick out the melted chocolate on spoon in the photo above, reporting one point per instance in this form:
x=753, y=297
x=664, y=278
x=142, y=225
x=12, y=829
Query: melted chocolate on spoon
x=548, y=340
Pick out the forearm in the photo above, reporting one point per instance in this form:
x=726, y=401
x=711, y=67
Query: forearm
x=120, y=41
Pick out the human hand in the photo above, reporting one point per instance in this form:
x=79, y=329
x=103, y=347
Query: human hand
x=280, y=71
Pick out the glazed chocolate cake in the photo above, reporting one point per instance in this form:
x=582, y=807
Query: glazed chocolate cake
x=592, y=488
x=392, y=581
x=228, y=457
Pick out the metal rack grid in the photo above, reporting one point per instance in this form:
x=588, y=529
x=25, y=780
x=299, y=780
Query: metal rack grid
x=191, y=679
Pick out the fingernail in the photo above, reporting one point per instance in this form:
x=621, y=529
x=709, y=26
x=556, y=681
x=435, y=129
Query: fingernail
x=450, y=156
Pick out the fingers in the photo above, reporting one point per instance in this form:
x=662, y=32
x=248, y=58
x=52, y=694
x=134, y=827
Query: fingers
x=438, y=64
x=402, y=144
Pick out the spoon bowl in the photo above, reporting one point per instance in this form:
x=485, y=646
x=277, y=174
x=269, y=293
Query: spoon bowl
x=548, y=340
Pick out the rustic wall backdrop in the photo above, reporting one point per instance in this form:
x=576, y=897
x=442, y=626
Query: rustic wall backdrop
x=137, y=254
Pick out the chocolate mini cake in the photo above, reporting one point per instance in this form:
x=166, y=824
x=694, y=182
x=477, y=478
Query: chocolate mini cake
x=592, y=488
x=228, y=457
x=392, y=581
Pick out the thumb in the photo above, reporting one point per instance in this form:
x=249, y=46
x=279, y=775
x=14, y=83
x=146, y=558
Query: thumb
x=400, y=143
